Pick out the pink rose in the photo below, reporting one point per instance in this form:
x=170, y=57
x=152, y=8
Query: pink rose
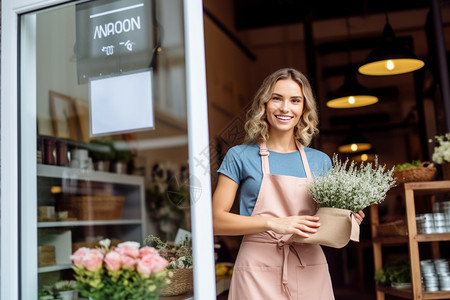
x=78, y=256
x=112, y=261
x=128, y=250
x=144, y=251
x=93, y=260
x=127, y=262
x=151, y=264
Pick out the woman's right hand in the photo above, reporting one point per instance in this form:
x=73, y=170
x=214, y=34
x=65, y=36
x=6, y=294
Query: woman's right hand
x=300, y=225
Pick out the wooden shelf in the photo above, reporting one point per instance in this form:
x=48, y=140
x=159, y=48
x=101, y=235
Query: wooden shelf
x=433, y=237
x=407, y=293
x=391, y=240
x=409, y=191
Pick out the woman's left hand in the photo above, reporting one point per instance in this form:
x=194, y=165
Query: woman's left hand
x=359, y=216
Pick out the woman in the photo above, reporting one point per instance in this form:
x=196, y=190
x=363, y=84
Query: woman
x=270, y=174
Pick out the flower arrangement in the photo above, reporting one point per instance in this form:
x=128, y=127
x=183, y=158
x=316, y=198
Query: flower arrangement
x=349, y=187
x=123, y=272
x=441, y=153
x=179, y=256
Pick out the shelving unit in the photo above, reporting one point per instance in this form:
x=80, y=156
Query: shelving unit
x=71, y=181
x=410, y=191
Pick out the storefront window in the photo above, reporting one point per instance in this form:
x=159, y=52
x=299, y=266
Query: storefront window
x=77, y=188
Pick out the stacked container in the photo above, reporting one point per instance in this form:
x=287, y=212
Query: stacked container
x=435, y=275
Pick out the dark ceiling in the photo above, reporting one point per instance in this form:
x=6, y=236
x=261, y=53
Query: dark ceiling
x=261, y=13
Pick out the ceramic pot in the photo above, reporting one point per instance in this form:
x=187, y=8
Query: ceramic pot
x=68, y=295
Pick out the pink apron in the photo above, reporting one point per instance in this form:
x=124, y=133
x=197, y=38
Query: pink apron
x=268, y=266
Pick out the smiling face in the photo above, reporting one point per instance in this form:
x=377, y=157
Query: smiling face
x=285, y=106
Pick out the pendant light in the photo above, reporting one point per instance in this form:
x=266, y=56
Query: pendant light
x=391, y=57
x=354, y=143
x=365, y=156
x=351, y=94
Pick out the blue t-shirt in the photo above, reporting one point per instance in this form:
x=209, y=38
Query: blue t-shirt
x=242, y=164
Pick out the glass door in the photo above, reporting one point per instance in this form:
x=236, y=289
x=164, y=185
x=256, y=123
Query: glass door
x=95, y=163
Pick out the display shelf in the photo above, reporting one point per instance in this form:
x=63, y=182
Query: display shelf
x=391, y=240
x=72, y=182
x=407, y=293
x=87, y=175
x=412, y=239
x=89, y=223
x=54, y=268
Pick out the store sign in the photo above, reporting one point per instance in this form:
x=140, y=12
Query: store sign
x=113, y=37
x=121, y=103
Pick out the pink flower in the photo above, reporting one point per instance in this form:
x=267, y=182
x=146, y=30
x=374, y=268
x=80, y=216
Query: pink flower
x=93, y=260
x=112, y=261
x=130, y=251
x=151, y=264
x=127, y=262
x=144, y=251
x=78, y=256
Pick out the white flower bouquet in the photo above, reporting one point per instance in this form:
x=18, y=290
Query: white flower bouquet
x=345, y=189
x=441, y=153
x=349, y=187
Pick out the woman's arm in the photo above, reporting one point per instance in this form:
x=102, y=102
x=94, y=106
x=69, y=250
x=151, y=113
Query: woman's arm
x=227, y=223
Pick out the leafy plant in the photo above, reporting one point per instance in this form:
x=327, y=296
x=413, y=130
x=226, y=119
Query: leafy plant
x=349, y=187
x=102, y=150
x=65, y=285
x=407, y=165
x=396, y=271
x=123, y=152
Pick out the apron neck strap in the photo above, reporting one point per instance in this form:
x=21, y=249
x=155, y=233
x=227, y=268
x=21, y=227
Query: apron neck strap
x=264, y=153
x=304, y=159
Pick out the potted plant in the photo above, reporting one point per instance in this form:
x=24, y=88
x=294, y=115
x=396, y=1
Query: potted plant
x=46, y=293
x=179, y=257
x=125, y=272
x=123, y=156
x=396, y=273
x=66, y=289
x=345, y=190
x=102, y=153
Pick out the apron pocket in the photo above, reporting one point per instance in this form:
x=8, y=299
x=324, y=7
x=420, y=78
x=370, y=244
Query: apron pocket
x=250, y=282
x=314, y=282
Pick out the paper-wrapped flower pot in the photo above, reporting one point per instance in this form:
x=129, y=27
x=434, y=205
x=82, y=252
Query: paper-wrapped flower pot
x=337, y=228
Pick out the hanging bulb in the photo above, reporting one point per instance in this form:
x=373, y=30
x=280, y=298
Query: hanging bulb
x=354, y=147
x=351, y=100
x=390, y=65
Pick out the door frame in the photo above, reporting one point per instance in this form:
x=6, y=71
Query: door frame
x=198, y=137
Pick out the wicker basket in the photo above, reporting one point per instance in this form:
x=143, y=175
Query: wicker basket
x=99, y=207
x=425, y=172
x=395, y=228
x=181, y=282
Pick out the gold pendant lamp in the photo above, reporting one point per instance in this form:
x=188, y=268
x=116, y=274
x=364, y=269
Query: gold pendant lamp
x=351, y=94
x=354, y=143
x=391, y=57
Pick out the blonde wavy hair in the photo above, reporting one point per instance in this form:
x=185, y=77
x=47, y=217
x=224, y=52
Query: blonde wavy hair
x=257, y=127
